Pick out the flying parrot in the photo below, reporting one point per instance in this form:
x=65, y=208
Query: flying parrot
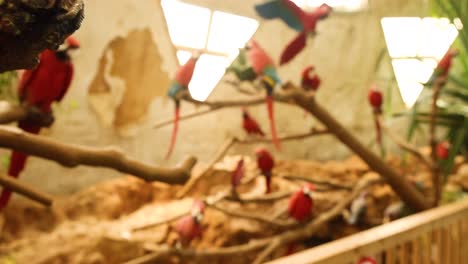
x=442, y=67
x=39, y=88
x=265, y=163
x=264, y=67
x=310, y=82
x=295, y=18
x=238, y=174
x=367, y=260
x=358, y=207
x=180, y=83
x=249, y=124
x=301, y=203
x=189, y=227
x=375, y=98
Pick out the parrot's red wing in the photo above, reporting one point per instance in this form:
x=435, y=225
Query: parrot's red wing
x=293, y=48
x=66, y=82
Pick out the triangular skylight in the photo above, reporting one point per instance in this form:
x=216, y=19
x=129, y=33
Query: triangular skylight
x=218, y=33
x=415, y=46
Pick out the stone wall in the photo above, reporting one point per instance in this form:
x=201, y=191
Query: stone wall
x=109, y=105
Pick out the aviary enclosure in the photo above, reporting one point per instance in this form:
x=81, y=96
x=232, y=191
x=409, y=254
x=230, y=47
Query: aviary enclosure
x=237, y=207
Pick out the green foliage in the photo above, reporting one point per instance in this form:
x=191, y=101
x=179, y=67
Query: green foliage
x=6, y=82
x=241, y=68
x=453, y=101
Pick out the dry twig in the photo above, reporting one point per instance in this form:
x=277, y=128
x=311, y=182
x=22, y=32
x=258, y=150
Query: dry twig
x=297, y=234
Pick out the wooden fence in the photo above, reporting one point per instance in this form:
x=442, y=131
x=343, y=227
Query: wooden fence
x=437, y=236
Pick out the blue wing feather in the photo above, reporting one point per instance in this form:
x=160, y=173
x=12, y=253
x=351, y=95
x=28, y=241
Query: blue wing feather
x=277, y=9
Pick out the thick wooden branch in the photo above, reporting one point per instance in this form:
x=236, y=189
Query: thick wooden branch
x=436, y=175
x=70, y=155
x=296, y=234
x=407, y=192
x=18, y=187
x=12, y=113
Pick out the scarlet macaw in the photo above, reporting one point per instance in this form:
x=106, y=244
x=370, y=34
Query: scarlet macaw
x=265, y=163
x=250, y=125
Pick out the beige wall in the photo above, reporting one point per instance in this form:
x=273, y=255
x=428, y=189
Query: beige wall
x=345, y=53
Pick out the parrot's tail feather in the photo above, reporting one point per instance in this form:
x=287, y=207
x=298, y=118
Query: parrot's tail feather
x=271, y=117
x=174, y=132
x=293, y=48
x=268, y=183
x=4, y=198
x=378, y=130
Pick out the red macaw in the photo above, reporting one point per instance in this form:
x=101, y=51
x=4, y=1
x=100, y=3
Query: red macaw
x=443, y=150
x=367, y=260
x=308, y=81
x=375, y=98
x=295, y=18
x=39, y=88
x=249, y=124
x=443, y=66
x=265, y=163
x=189, y=227
x=301, y=203
x=264, y=67
x=182, y=79
x=238, y=174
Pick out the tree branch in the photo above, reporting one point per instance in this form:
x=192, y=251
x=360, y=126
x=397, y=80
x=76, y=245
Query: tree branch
x=11, y=113
x=436, y=177
x=297, y=234
x=18, y=187
x=231, y=142
x=70, y=155
x=407, y=192
x=405, y=145
x=331, y=184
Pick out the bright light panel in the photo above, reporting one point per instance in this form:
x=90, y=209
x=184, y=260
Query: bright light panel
x=189, y=26
x=230, y=32
x=415, y=45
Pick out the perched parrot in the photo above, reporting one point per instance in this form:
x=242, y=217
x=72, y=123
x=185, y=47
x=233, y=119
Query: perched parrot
x=375, y=98
x=180, y=83
x=367, y=260
x=241, y=67
x=265, y=163
x=238, y=174
x=189, y=227
x=295, y=18
x=264, y=67
x=301, y=203
x=443, y=150
x=358, y=207
x=310, y=82
x=39, y=88
x=443, y=67
x=250, y=125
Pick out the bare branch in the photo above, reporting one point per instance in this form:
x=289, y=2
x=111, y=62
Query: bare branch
x=251, y=216
x=436, y=176
x=329, y=183
x=18, y=187
x=267, y=198
x=405, y=145
x=237, y=85
x=11, y=113
x=73, y=155
x=297, y=234
x=186, y=116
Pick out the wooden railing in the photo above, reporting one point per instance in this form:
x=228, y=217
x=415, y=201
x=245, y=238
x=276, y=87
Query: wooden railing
x=436, y=236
